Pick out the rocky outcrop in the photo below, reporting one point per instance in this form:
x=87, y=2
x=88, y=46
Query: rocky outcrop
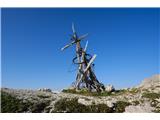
x=152, y=82
x=141, y=108
x=144, y=98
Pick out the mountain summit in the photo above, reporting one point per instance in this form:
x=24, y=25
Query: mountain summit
x=144, y=98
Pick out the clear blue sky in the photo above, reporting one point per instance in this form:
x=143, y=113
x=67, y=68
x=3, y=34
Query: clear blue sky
x=125, y=41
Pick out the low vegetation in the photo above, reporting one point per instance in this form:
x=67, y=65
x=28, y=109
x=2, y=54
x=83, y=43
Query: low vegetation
x=120, y=106
x=43, y=96
x=150, y=95
x=136, y=102
x=41, y=102
x=154, y=103
x=88, y=93
x=85, y=92
x=134, y=90
x=11, y=104
x=72, y=106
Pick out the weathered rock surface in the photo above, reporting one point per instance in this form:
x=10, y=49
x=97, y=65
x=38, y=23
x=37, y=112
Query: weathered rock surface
x=85, y=101
x=143, y=108
x=109, y=88
x=151, y=82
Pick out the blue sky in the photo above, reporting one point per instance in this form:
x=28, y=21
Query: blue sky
x=125, y=41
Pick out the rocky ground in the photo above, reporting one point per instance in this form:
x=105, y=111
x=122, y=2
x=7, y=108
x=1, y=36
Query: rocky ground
x=144, y=98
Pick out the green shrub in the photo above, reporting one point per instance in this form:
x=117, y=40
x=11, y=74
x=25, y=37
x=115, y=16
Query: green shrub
x=100, y=108
x=151, y=96
x=69, y=90
x=86, y=92
x=119, y=92
x=43, y=96
x=102, y=94
x=83, y=91
x=72, y=106
x=120, y=106
x=154, y=103
x=38, y=107
x=10, y=104
x=136, y=102
x=134, y=90
x=157, y=110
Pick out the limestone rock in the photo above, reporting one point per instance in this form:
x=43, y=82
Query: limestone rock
x=46, y=99
x=151, y=82
x=85, y=101
x=145, y=108
x=110, y=103
x=109, y=88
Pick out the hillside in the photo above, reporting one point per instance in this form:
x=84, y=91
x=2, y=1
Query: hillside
x=143, y=98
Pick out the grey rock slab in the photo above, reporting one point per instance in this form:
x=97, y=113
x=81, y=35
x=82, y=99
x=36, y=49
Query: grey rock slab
x=145, y=108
